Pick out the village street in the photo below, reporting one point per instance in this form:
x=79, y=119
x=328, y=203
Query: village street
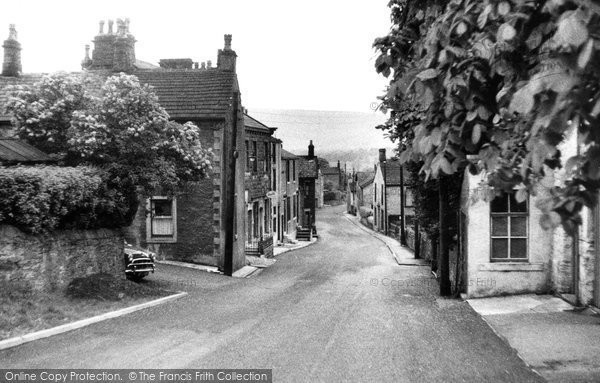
x=339, y=310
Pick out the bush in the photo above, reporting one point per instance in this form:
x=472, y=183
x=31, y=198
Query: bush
x=44, y=198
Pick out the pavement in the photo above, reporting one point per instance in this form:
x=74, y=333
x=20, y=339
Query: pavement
x=403, y=255
x=558, y=341
x=340, y=310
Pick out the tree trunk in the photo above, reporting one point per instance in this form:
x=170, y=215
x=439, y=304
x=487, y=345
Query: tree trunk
x=444, y=261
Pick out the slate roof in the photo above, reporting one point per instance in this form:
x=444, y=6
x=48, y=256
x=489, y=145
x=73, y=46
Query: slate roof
x=331, y=170
x=309, y=168
x=191, y=94
x=364, y=178
x=252, y=123
x=287, y=155
x=13, y=150
x=184, y=93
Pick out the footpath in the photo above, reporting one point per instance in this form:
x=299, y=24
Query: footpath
x=558, y=341
x=403, y=255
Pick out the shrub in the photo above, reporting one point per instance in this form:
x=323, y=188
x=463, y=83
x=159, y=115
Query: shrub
x=43, y=198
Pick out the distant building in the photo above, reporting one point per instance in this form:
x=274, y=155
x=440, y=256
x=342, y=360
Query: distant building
x=309, y=176
x=290, y=197
x=392, y=200
x=261, y=189
x=333, y=178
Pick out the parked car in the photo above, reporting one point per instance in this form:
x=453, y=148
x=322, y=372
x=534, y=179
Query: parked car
x=139, y=262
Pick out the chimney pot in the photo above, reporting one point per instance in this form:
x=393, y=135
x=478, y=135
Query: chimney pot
x=203, y=65
x=195, y=65
x=101, y=30
x=227, y=42
x=209, y=64
x=110, y=27
x=311, y=150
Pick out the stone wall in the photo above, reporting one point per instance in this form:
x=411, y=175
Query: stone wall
x=49, y=262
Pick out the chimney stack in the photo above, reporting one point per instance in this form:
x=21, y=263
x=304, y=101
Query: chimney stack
x=12, y=54
x=124, y=48
x=226, y=58
x=381, y=155
x=87, y=61
x=112, y=51
x=311, y=151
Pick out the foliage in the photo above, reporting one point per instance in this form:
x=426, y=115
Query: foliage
x=505, y=81
x=43, y=198
x=426, y=201
x=117, y=125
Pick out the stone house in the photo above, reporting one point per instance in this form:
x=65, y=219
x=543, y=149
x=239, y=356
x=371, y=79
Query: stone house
x=360, y=183
x=290, y=196
x=392, y=200
x=261, y=186
x=505, y=250
x=204, y=223
x=333, y=178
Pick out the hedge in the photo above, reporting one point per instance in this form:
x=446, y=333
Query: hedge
x=44, y=198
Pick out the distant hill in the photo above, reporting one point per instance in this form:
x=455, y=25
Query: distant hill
x=330, y=131
x=361, y=159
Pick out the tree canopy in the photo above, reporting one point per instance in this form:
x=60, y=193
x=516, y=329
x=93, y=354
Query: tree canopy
x=116, y=124
x=496, y=86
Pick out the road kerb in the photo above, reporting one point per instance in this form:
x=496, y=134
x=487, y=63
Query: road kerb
x=19, y=340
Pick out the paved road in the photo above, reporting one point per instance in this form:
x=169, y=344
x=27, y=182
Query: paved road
x=339, y=310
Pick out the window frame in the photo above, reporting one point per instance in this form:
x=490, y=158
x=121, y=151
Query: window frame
x=509, y=215
x=152, y=238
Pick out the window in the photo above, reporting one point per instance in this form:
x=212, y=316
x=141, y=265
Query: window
x=287, y=170
x=293, y=170
x=161, y=222
x=509, y=223
x=253, y=159
x=266, y=161
x=408, y=197
x=248, y=163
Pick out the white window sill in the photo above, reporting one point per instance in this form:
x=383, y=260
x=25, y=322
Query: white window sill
x=161, y=240
x=511, y=266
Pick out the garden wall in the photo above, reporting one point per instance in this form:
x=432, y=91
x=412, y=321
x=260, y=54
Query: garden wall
x=51, y=261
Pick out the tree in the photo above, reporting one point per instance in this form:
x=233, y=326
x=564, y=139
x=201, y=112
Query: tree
x=117, y=125
x=496, y=85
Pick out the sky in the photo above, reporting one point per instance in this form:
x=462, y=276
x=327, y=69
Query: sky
x=310, y=54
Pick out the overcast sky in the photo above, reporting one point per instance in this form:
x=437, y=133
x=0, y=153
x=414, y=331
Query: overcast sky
x=309, y=54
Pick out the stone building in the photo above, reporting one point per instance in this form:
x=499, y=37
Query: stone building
x=333, y=178
x=289, y=180
x=204, y=223
x=308, y=178
x=392, y=200
x=261, y=186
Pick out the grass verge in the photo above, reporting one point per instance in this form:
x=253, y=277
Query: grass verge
x=24, y=310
